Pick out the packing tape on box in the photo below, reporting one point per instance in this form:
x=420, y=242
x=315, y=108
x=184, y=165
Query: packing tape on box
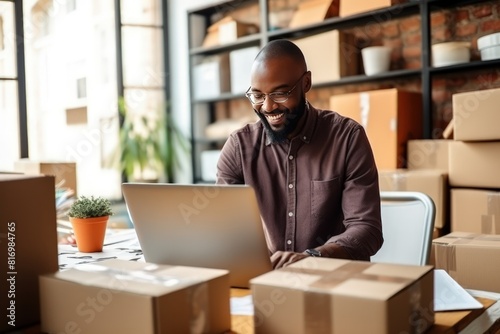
x=364, y=109
x=399, y=181
x=490, y=223
x=317, y=304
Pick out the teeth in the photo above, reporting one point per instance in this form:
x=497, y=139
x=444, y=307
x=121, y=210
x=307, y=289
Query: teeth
x=275, y=117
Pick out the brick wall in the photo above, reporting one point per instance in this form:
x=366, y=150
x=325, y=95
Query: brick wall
x=403, y=35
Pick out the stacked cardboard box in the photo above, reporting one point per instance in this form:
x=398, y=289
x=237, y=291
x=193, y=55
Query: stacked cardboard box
x=430, y=156
x=474, y=162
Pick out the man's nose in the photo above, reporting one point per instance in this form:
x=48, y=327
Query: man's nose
x=268, y=105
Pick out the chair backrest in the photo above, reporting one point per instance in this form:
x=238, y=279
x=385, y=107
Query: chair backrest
x=407, y=225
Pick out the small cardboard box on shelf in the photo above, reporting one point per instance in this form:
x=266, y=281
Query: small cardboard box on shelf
x=390, y=118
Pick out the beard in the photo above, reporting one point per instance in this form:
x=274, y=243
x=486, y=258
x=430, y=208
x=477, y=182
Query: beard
x=292, y=119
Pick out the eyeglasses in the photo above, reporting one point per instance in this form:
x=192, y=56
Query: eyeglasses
x=278, y=97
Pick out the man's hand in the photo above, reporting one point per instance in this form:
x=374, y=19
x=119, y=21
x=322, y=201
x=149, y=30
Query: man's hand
x=283, y=259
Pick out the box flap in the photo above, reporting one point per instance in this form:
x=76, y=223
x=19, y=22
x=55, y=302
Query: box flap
x=138, y=277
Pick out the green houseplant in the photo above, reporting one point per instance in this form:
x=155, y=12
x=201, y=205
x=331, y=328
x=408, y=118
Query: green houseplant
x=89, y=217
x=149, y=145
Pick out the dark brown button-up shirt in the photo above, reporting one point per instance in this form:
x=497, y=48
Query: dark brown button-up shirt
x=319, y=187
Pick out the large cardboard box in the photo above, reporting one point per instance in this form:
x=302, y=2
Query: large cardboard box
x=211, y=77
x=475, y=210
x=428, y=154
x=227, y=30
x=240, y=63
x=64, y=172
x=322, y=295
x=28, y=245
x=351, y=7
x=470, y=258
x=313, y=11
x=342, y=54
x=118, y=296
x=474, y=164
x=431, y=182
x=390, y=117
x=476, y=116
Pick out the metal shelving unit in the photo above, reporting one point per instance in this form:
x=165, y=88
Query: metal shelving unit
x=423, y=8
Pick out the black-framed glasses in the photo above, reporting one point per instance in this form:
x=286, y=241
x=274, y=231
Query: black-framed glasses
x=278, y=97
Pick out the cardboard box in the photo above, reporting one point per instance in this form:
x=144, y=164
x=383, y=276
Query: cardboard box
x=313, y=11
x=240, y=62
x=474, y=164
x=470, y=259
x=428, y=154
x=475, y=210
x=212, y=77
x=431, y=182
x=28, y=245
x=323, y=295
x=390, y=117
x=227, y=30
x=117, y=296
x=351, y=7
x=342, y=54
x=476, y=116
x=64, y=172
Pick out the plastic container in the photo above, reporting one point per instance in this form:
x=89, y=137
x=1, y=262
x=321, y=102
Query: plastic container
x=489, y=46
x=450, y=53
x=376, y=59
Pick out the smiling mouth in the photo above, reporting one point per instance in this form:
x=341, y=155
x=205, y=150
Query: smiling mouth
x=275, y=117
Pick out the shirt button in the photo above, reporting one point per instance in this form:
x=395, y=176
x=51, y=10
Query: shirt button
x=290, y=214
x=290, y=186
x=305, y=137
x=289, y=242
x=290, y=157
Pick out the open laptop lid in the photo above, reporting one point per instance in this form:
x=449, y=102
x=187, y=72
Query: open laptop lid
x=212, y=226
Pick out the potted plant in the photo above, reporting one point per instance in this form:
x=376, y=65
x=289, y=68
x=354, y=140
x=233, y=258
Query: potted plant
x=89, y=217
x=149, y=145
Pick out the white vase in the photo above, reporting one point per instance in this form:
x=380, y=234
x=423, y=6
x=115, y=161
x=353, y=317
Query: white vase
x=376, y=59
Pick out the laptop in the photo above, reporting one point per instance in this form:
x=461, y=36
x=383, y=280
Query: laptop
x=200, y=225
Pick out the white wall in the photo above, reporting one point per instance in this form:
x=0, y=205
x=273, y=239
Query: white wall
x=179, y=69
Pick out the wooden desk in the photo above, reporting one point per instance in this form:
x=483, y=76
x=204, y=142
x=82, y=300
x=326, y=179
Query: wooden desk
x=445, y=322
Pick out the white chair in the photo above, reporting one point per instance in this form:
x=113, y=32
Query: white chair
x=407, y=225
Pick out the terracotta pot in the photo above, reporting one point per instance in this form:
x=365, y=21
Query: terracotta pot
x=89, y=233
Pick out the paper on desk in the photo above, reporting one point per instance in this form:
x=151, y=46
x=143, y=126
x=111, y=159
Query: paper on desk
x=450, y=296
x=242, y=305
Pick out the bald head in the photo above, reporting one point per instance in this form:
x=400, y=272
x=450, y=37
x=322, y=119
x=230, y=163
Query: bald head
x=282, y=49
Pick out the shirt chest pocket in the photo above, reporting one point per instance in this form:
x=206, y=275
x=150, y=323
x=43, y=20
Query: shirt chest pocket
x=325, y=198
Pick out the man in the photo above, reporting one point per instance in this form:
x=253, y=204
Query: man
x=313, y=170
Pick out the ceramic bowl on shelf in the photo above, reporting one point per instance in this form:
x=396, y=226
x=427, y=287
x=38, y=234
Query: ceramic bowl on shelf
x=376, y=59
x=489, y=46
x=450, y=53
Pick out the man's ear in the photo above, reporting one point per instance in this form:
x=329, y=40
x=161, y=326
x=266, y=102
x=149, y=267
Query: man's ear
x=307, y=82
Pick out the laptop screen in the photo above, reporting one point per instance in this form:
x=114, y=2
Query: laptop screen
x=200, y=225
